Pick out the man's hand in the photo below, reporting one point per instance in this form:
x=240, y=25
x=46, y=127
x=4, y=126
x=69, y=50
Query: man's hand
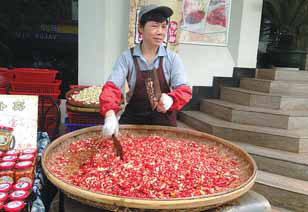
x=164, y=103
x=111, y=124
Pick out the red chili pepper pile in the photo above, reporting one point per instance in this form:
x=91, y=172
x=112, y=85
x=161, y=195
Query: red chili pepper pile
x=153, y=167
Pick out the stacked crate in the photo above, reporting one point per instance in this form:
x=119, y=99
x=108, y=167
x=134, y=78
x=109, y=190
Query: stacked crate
x=80, y=117
x=39, y=82
x=6, y=76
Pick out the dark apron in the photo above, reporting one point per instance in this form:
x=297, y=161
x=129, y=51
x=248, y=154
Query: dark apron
x=139, y=110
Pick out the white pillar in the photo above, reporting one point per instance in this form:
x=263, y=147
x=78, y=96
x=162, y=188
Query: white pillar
x=249, y=34
x=103, y=35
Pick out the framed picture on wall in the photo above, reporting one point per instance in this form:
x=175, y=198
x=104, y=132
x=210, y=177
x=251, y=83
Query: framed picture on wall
x=205, y=22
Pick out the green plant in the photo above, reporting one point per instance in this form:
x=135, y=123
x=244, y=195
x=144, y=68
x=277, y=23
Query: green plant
x=285, y=23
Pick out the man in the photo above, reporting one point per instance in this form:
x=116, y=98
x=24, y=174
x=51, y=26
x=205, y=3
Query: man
x=155, y=76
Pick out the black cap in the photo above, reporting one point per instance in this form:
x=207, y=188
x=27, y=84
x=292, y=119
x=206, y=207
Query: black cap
x=166, y=11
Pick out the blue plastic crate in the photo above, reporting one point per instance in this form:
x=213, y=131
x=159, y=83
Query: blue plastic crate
x=70, y=127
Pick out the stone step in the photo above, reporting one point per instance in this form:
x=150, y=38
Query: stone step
x=284, y=119
x=282, y=74
x=181, y=124
x=277, y=161
x=264, y=100
x=277, y=68
x=296, y=88
x=295, y=140
x=281, y=191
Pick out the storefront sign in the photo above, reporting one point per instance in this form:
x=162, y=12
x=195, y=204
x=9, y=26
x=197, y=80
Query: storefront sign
x=46, y=36
x=37, y=35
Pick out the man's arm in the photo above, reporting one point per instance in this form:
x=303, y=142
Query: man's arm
x=110, y=98
x=111, y=95
x=180, y=96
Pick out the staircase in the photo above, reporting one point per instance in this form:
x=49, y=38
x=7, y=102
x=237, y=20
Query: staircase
x=268, y=117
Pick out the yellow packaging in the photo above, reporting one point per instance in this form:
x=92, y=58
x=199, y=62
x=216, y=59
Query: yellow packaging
x=6, y=137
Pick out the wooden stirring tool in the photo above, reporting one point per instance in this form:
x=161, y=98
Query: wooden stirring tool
x=117, y=146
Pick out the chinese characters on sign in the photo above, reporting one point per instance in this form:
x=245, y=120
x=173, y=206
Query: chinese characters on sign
x=173, y=28
x=20, y=113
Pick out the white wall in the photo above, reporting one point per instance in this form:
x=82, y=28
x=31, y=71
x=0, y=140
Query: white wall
x=103, y=35
x=90, y=35
x=204, y=62
x=103, y=29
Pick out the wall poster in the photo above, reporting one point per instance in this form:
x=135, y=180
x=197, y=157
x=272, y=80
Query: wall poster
x=205, y=22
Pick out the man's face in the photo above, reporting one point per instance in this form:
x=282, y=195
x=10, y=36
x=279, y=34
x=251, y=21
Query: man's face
x=154, y=33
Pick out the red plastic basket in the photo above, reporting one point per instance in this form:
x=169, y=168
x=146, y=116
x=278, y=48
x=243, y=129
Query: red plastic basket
x=50, y=121
x=49, y=109
x=6, y=76
x=52, y=132
x=36, y=87
x=3, y=91
x=84, y=118
x=35, y=75
x=54, y=96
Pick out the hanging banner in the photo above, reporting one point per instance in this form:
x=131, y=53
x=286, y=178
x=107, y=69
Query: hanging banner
x=173, y=35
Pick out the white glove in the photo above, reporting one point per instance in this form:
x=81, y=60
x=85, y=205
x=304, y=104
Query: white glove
x=166, y=102
x=111, y=124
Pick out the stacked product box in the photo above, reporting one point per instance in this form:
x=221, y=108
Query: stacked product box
x=82, y=107
x=39, y=82
x=17, y=168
